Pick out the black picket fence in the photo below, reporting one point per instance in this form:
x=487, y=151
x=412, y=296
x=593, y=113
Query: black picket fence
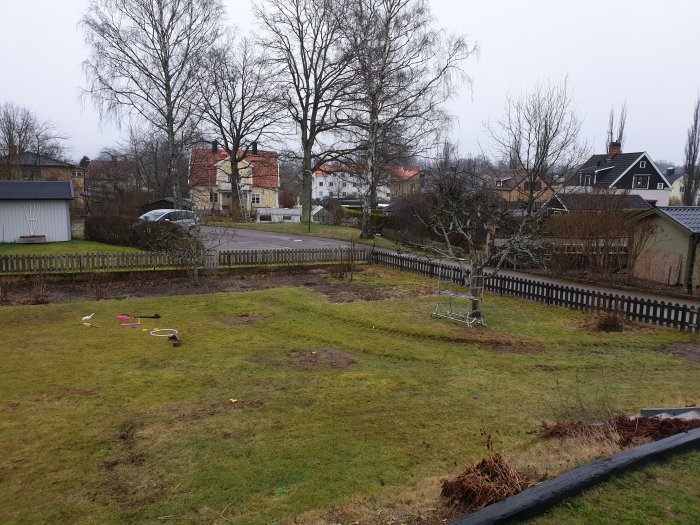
x=672, y=315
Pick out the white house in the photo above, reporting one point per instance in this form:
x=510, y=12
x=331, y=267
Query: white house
x=339, y=182
x=35, y=211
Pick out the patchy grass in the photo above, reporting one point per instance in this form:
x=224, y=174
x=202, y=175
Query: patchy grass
x=341, y=408
x=61, y=248
x=344, y=233
x=665, y=492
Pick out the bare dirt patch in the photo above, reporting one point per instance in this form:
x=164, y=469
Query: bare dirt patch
x=497, y=342
x=63, y=289
x=243, y=320
x=690, y=351
x=318, y=358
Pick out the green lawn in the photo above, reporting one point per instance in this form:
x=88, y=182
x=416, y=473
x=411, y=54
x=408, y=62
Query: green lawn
x=345, y=233
x=60, y=248
x=663, y=492
x=339, y=405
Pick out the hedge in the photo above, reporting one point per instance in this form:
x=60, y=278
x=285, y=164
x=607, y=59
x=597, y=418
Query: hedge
x=130, y=231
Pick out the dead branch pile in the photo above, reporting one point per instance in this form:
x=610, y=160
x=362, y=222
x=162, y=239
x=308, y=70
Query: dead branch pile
x=490, y=480
x=624, y=429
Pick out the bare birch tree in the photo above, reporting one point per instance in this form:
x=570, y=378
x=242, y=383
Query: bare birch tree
x=303, y=38
x=405, y=69
x=143, y=62
x=241, y=102
x=538, y=137
x=691, y=175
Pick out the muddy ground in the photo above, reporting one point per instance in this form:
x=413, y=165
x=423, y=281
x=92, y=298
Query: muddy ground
x=59, y=289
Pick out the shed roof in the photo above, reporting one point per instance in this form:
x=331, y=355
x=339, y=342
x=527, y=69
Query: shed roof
x=36, y=190
x=597, y=202
x=687, y=216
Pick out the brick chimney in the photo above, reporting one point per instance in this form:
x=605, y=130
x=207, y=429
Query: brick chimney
x=12, y=150
x=615, y=148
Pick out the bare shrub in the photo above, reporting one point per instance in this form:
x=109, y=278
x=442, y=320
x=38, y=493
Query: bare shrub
x=610, y=321
x=7, y=286
x=99, y=285
x=39, y=295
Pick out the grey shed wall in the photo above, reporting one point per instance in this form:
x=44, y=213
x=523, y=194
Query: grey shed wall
x=53, y=220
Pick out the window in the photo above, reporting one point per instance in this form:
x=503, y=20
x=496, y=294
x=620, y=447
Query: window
x=643, y=164
x=682, y=189
x=499, y=183
x=345, y=194
x=286, y=217
x=266, y=218
x=587, y=179
x=330, y=184
x=320, y=183
x=77, y=174
x=640, y=182
x=213, y=196
x=537, y=186
x=255, y=198
x=320, y=193
x=345, y=184
x=660, y=186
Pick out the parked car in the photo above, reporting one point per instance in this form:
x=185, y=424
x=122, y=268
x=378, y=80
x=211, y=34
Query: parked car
x=184, y=218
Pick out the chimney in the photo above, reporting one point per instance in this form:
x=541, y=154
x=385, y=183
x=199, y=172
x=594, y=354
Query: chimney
x=13, y=150
x=255, y=147
x=615, y=148
x=670, y=170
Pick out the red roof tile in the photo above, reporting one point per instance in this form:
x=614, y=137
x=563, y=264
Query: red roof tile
x=265, y=166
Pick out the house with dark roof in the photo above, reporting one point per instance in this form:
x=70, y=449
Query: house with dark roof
x=35, y=166
x=35, y=211
x=634, y=173
x=671, y=256
x=210, y=181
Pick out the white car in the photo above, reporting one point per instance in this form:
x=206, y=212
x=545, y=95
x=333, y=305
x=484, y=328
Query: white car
x=184, y=218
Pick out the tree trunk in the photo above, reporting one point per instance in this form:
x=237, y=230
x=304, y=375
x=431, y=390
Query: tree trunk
x=306, y=185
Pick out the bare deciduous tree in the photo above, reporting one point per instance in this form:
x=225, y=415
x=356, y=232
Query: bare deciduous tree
x=144, y=56
x=618, y=137
x=538, y=137
x=240, y=103
x=24, y=132
x=691, y=175
x=303, y=38
x=404, y=69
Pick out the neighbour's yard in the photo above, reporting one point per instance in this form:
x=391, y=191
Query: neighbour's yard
x=318, y=404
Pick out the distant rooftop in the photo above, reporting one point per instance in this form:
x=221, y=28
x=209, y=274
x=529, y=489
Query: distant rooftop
x=687, y=216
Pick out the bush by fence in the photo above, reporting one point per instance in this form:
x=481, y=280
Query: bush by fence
x=124, y=230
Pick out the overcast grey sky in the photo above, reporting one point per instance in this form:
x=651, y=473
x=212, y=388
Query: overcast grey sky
x=645, y=52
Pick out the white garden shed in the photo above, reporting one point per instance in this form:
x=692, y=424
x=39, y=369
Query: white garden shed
x=35, y=211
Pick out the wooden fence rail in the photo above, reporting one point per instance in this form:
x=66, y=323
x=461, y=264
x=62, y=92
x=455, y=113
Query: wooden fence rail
x=672, y=315
x=92, y=262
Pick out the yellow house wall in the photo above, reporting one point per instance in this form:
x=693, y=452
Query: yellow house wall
x=673, y=239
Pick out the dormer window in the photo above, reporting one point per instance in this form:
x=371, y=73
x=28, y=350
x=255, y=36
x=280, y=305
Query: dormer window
x=643, y=164
x=499, y=183
x=640, y=182
x=587, y=179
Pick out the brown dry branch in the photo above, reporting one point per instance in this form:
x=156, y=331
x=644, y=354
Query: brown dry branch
x=628, y=430
x=490, y=480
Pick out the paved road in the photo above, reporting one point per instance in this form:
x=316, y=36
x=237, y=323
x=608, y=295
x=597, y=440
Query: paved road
x=245, y=239
x=225, y=239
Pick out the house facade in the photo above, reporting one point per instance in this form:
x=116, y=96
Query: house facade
x=406, y=182
x=634, y=173
x=211, y=182
x=517, y=187
x=35, y=210
x=336, y=181
x=34, y=166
